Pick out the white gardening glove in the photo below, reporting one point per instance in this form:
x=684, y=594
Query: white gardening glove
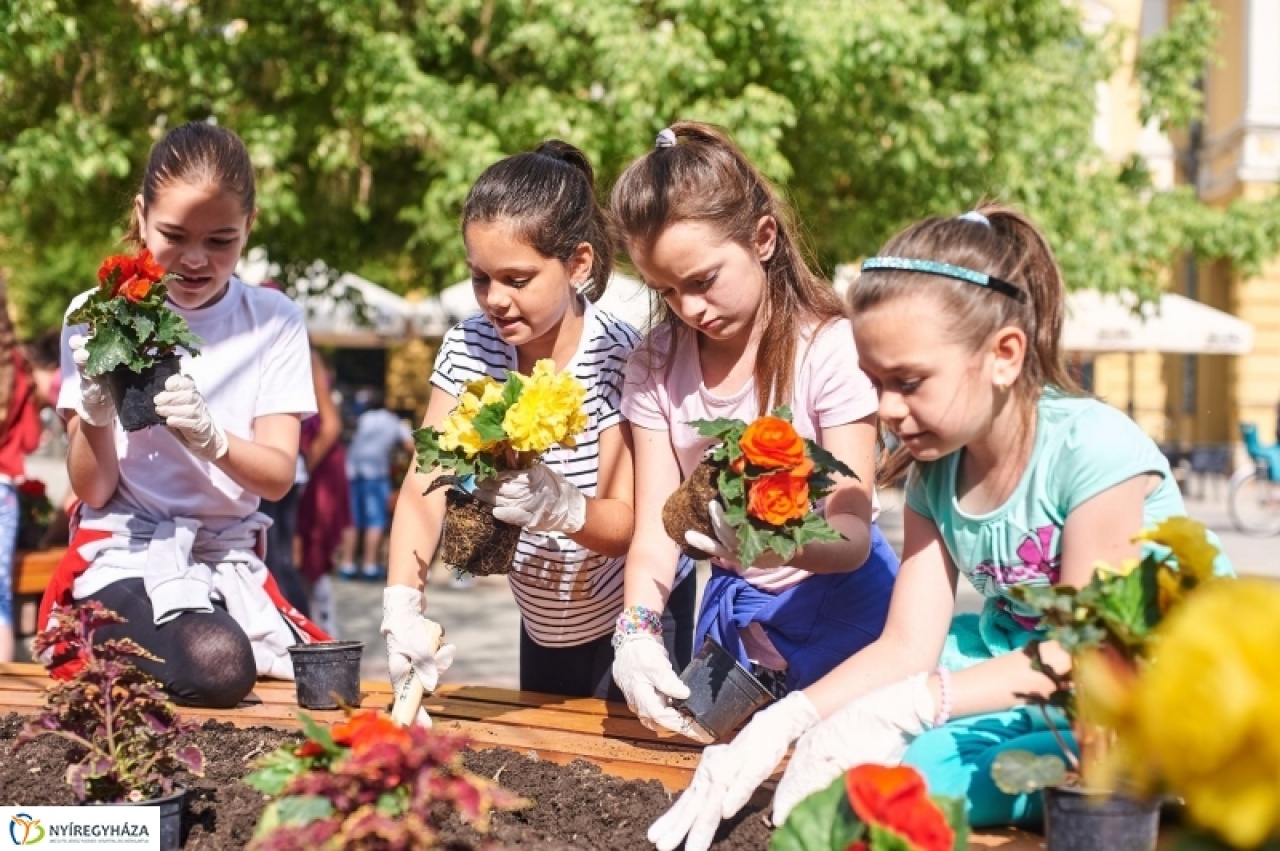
x=409, y=644
x=96, y=406
x=188, y=418
x=729, y=774
x=539, y=499
x=724, y=545
x=644, y=675
x=873, y=729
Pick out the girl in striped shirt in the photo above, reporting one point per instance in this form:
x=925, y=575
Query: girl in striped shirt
x=539, y=249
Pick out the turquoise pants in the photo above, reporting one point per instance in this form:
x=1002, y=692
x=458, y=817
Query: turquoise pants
x=956, y=758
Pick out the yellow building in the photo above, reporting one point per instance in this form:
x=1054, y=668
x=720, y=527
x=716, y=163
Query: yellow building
x=1234, y=153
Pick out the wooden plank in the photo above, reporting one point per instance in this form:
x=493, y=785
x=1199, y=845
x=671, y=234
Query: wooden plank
x=33, y=569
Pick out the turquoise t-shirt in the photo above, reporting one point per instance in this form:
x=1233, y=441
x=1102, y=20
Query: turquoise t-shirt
x=1082, y=448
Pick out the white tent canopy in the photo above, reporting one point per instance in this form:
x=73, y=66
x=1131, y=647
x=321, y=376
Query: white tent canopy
x=624, y=297
x=331, y=317
x=1106, y=322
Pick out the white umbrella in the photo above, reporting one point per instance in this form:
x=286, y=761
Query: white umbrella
x=1107, y=322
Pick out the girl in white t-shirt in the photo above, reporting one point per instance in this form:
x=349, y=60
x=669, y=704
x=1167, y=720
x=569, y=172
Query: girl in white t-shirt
x=168, y=533
x=539, y=250
x=749, y=326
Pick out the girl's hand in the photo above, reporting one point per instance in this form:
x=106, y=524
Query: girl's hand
x=644, y=675
x=539, y=499
x=724, y=545
x=728, y=774
x=96, y=407
x=873, y=729
x=188, y=418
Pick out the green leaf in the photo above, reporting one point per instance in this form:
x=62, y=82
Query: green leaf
x=272, y=772
x=1022, y=772
x=821, y=822
x=488, y=421
x=318, y=734
x=300, y=809
x=108, y=349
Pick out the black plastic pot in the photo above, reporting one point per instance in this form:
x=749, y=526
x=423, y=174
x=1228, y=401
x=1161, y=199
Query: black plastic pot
x=1083, y=820
x=722, y=693
x=327, y=674
x=134, y=392
x=172, y=809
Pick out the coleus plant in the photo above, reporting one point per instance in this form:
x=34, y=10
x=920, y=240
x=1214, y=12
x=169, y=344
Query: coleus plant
x=368, y=783
x=875, y=808
x=768, y=478
x=130, y=323
x=130, y=733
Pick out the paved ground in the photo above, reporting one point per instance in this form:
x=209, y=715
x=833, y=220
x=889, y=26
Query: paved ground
x=484, y=623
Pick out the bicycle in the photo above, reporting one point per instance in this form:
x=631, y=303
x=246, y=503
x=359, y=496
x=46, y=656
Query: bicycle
x=1253, y=496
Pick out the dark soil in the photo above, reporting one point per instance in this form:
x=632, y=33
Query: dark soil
x=686, y=508
x=474, y=541
x=574, y=806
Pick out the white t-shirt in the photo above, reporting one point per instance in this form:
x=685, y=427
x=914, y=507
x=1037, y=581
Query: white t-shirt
x=567, y=595
x=378, y=433
x=255, y=361
x=665, y=392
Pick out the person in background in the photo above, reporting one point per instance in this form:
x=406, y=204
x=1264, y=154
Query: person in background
x=324, y=510
x=19, y=435
x=379, y=433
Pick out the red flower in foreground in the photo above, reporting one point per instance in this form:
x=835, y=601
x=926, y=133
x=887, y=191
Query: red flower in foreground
x=147, y=268
x=122, y=265
x=896, y=799
x=778, y=497
x=366, y=729
x=134, y=289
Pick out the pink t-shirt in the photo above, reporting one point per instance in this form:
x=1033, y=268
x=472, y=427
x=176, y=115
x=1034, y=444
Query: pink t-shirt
x=828, y=390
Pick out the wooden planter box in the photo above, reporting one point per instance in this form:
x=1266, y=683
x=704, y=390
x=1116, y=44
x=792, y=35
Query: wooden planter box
x=554, y=728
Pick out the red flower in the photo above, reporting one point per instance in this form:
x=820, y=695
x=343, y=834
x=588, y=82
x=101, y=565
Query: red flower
x=778, y=497
x=309, y=748
x=896, y=799
x=134, y=289
x=122, y=265
x=365, y=729
x=147, y=268
x=33, y=488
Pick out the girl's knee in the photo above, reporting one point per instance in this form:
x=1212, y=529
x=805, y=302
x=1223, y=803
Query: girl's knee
x=213, y=665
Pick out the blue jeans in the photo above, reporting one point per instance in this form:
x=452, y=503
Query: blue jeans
x=9, y=517
x=369, y=498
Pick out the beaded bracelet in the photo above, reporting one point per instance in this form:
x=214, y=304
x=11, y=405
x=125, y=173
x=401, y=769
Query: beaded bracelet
x=944, y=697
x=635, y=620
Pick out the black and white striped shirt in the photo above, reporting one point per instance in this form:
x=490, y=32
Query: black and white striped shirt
x=567, y=595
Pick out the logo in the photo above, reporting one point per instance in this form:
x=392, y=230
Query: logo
x=25, y=829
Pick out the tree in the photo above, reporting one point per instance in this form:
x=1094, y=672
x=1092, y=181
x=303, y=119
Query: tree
x=369, y=119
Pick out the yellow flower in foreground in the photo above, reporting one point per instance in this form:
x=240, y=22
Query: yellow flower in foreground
x=485, y=390
x=457, y=433
x=1188, y=539
x=548, y=412
x=1201, y=719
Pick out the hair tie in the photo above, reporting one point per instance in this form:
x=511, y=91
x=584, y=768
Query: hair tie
x=666, y=138
x=975, y=216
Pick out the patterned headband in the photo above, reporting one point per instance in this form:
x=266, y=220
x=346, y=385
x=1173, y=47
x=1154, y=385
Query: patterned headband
x=946, y=270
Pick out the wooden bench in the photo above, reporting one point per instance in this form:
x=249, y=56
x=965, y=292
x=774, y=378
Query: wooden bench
x=32, y=572
x=554, y=728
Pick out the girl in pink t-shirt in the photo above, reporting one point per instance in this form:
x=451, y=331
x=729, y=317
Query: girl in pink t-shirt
x=748, y=326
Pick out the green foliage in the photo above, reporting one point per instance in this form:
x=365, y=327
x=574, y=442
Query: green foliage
x=1023, y=772
x=368, y=783
x=126, y=727
x=369, y=120
x=1171, y=64
x=820, y=822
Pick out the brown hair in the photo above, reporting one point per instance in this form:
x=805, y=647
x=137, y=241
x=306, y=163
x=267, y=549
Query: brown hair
x=706, y=178
x=1006, y=246
x=196, y=153
x=548, y=196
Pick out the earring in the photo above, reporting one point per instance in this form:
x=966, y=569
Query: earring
x=1002, y=388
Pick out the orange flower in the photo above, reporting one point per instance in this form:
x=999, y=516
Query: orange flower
x=309, y=748
x=365, y=729
x=121, y=263
x=772, y=443
x=147, y=267
x=778, y=497
x=134, y=289
x=896, y=799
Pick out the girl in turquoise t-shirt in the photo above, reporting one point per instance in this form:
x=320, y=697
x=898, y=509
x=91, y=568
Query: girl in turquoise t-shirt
x=1014, y=477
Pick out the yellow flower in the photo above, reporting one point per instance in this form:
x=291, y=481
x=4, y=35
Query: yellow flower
x=1189, y=541
x=457, y=433
x=548, y=412
x=1201, y=719
x=485, y=390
